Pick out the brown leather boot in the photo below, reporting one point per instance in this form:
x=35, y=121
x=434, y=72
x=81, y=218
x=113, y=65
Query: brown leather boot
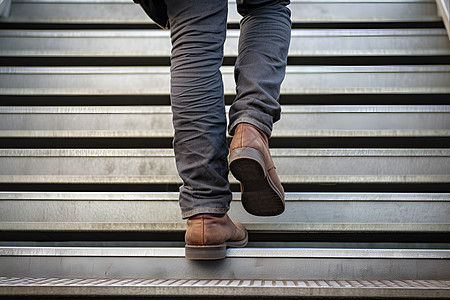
x=208, y=236
x=251, y=163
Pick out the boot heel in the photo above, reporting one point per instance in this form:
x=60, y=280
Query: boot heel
x=208, y=252
x=248, y=153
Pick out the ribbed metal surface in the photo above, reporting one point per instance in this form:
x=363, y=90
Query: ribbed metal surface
x=248, y=287
x=123, y=11
x=296, y=121
x=134, y=43
x=27, y=281
x=155, y=80
x=156, y=212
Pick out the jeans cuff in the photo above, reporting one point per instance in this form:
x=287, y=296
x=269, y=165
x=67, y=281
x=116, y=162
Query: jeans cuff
x=203, y=210
x=264, y=128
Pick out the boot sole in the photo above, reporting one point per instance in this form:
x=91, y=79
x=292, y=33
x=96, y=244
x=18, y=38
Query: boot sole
x=212, y=252
x=260, y=196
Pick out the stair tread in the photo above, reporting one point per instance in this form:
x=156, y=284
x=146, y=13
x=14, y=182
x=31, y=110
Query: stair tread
x=299, y=80
x=156, y=121
x=126, y=12
x=159, y=212
x=280, y=263
x=266, y=227
x=231, y=252
x=304, y=42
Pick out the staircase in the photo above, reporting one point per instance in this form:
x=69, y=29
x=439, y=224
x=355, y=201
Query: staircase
x=88, y=184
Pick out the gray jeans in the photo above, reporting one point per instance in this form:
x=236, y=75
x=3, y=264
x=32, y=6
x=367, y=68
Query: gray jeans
x=198, y=31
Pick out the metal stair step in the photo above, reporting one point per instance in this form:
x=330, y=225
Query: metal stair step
x=279, y=263
x=300, y=80
x=156, y=121
x=159, y=212
x=393, y=289
x=320, y=166
x=304, y=11
x=304, y=42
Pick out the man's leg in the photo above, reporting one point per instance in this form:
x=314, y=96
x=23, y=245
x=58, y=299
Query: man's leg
x=259, y=71
x=198, y=33
x=198, y=30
